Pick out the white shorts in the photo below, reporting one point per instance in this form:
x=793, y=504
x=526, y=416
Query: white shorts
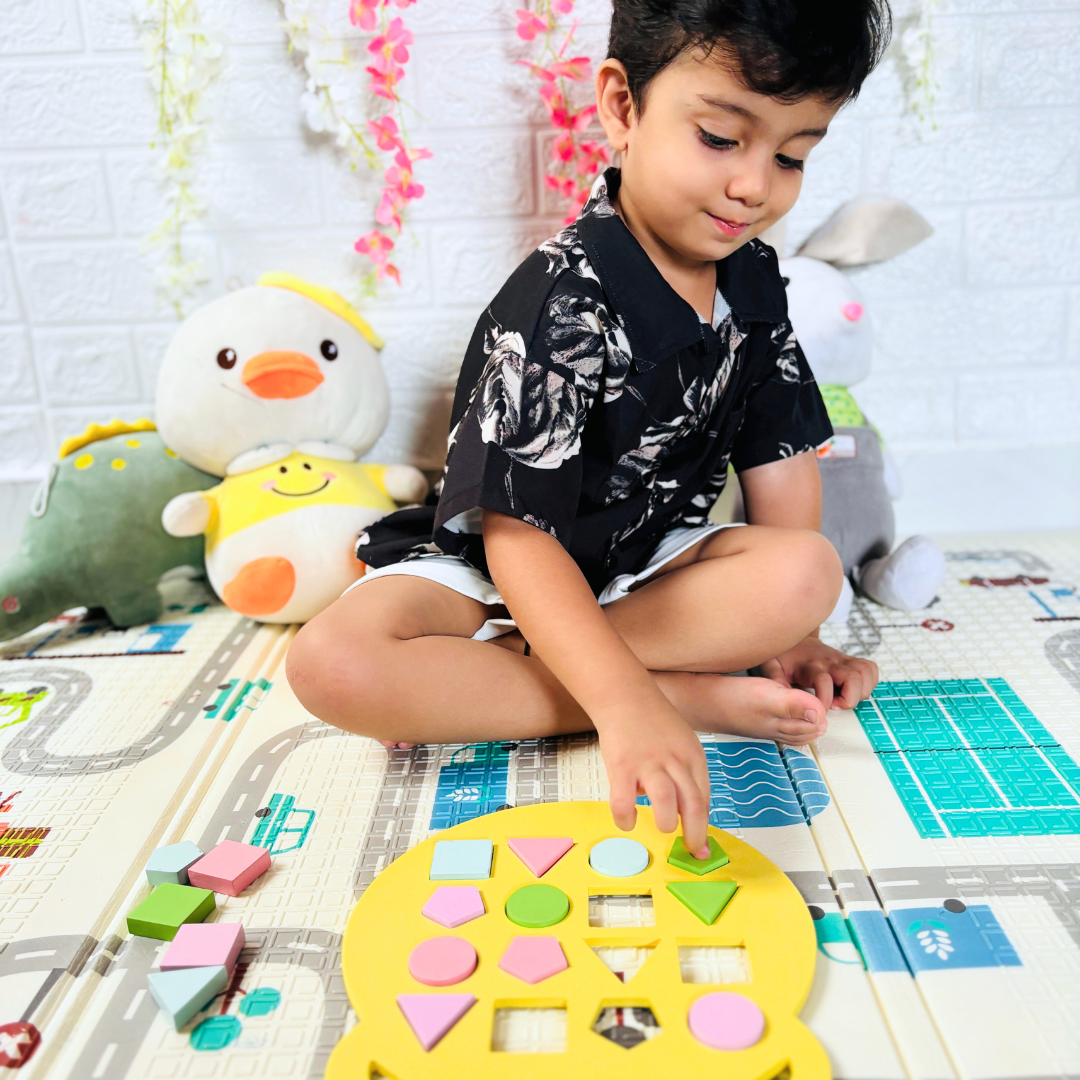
x=455, y=573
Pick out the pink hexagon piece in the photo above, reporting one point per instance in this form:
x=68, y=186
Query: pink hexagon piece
x=533, y=959
x=452, y=905
x=726, y=1021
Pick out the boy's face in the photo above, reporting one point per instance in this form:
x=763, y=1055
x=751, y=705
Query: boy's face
x=710, y=164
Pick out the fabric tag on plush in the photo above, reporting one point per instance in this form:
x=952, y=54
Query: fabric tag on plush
x=839, y=446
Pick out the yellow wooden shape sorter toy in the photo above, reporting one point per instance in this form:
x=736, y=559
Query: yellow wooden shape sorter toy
x=280, y=540
x=540, y=941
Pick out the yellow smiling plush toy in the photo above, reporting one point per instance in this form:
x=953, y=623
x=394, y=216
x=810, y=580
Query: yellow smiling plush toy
x=278, y=388
x=269, y=532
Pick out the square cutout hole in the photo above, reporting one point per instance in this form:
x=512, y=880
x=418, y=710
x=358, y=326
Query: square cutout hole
x=621, y=910
x=524, y=1030
x=714, y=964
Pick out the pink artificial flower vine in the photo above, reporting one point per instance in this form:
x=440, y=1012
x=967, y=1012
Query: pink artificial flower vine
x=389, y=50
x=575, y=161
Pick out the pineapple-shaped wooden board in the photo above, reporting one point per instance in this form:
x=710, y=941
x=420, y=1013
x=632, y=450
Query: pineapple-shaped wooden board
x=541, y=941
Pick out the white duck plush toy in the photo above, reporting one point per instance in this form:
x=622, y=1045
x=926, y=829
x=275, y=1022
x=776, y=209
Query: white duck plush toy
x=859, y=477
x=278, y=388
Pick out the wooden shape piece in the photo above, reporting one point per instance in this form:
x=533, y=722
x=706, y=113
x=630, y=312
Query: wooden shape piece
x=540, y=853
x=453, y=905
x=229, y=868
x=533, y=959
x=726, y=1021
x=204, y=945
x=706, y=899
x=169, y=865
x=680, y=857
x=536, y=906
x=431, y=1016
x=461, y=860
x=442, y=961
x=181, y=994
x=167, y=908
x=619, y=856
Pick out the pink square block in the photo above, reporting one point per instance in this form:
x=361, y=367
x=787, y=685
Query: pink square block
x=229, y=868
x=204, y=945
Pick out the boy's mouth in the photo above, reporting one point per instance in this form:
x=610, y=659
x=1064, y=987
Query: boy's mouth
x=730, y=228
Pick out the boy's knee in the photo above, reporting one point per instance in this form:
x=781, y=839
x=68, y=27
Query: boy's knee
x=817, y=572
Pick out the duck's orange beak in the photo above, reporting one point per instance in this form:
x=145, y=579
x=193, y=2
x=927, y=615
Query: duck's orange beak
x=281, y=375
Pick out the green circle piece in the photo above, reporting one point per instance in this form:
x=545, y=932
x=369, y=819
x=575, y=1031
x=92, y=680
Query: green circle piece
x=535, y=906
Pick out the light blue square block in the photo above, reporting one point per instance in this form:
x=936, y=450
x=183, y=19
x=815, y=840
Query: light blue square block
x=169, y=865
x=461, y=860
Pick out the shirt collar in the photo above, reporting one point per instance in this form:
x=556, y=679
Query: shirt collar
x=657, y=320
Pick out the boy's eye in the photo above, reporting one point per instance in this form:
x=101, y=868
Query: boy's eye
x=786, y=162
x=715, y=141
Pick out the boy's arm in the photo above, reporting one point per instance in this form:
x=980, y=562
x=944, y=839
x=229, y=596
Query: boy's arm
x=788, y=493
x=647, y=746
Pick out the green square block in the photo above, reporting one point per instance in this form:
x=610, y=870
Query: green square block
x=680, y=857
x=167, y=908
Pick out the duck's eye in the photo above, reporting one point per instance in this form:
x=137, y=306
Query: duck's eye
x=226, y=358
x=283, y=469
x=307, y=466
x=329, y=350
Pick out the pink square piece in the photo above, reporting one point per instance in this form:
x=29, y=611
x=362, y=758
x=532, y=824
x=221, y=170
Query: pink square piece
x=229, y=868
x=204, y=945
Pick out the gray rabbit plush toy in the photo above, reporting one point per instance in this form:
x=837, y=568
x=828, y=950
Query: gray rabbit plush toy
x=858, y=475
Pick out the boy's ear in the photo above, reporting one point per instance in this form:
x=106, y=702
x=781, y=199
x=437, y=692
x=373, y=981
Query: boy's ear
x=614, y=106
x=868, y=229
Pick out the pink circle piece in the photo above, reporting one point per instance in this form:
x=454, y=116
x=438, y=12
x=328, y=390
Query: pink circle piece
x=726, y=1021
x=442, y=961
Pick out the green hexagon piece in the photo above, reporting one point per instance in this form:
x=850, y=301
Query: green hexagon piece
x=680, y=857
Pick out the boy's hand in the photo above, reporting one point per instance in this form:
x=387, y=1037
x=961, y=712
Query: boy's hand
x=839, y=681
x=656, y=753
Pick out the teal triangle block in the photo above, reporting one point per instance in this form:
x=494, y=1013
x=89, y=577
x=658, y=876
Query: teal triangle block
x=181, y=994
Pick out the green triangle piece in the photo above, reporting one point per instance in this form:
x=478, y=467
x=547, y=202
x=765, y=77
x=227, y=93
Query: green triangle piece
x=706, y=899
x=680, y=857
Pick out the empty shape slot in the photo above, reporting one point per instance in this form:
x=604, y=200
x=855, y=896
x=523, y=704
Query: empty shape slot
x=520, y=1030
x=627, y=1025
x=624, y=961
x=621, y=910
x=714, y=964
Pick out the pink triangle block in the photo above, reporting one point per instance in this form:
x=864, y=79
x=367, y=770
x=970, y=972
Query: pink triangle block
x=431, y=1016
x=540, y=853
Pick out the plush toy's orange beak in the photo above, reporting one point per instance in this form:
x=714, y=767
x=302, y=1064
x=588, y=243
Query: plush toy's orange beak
x=281, y=375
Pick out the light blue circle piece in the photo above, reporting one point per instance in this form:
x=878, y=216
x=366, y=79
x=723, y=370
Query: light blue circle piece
x=619, y=857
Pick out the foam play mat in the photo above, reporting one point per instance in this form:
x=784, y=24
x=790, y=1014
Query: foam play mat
x=930, y=844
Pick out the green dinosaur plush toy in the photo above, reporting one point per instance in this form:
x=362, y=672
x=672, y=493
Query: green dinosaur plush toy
x=94, y=535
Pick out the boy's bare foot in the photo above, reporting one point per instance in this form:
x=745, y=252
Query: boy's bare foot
x=390, y=745
x=755, y=708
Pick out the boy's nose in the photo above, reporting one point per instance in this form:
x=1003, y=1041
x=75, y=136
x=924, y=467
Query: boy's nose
x=750, y=185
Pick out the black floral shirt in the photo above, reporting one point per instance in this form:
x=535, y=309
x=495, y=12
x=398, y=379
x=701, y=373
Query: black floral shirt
x=593, y=402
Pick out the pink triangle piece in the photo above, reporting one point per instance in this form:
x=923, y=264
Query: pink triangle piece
x=540, y=853
x=431, y=1016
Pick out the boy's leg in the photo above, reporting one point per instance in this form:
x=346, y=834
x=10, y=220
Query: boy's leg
x=393, y=658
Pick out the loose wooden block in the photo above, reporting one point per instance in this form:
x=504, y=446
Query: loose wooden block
x=706, y=899
x=169, y=865
x=540, y=853
x=431, y=1016
x=680, y=857
x=461, y=860
x=181, y=994
x=167, y=908
x=230, y=867
x=204, y=945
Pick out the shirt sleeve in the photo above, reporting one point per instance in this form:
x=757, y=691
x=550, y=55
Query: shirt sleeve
x=516, y=446
x=785, y=414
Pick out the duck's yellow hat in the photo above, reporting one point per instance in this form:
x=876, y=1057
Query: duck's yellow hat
x=329, y=299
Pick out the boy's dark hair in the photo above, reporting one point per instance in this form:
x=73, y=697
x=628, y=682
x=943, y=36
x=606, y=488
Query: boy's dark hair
x=787, y=49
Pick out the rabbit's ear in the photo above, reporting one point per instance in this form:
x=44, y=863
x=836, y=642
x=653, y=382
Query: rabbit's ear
x=867, y=229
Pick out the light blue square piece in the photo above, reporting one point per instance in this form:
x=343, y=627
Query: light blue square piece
x=461, y=860
x=169, y=865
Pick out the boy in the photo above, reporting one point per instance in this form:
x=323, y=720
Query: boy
x=603, y=394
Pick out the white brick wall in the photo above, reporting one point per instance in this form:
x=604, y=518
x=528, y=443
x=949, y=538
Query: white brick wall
x=977, y=376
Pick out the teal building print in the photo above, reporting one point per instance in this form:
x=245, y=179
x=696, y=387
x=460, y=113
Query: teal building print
x=968, y=758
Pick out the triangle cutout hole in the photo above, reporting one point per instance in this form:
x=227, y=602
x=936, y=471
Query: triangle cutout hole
x=624, y=959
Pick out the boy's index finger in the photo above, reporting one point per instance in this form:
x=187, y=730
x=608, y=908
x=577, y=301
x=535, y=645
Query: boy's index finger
x=694, y=812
